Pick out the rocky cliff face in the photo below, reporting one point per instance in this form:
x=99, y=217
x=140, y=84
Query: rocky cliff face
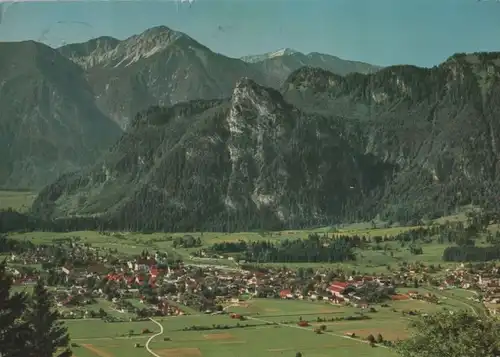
x=251, y=161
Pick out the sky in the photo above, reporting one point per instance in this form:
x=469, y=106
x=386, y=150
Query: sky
x=383, y=32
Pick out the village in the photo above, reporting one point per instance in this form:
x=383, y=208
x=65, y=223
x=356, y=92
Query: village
x=89, y=282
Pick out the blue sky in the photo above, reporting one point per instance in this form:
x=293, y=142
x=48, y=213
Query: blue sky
x=384, y=32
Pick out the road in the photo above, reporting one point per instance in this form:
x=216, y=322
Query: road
x=310, y=330
x=152, y=338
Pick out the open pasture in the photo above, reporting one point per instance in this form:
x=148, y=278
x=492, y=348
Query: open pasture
x=270, y=330
x=277, y=308
x=260, y=338
x=368, y=260
x=17, y=200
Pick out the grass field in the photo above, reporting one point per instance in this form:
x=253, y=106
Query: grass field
x=369, y=261
x=17, y=200
x=263, y=338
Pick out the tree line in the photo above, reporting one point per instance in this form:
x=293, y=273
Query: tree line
x=29, y=325
x=312, y=249
x=471, y=253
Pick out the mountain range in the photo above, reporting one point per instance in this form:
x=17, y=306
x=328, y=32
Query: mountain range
x=157, y=132
x=62, y=108
x=280, y=64
x=403, y=143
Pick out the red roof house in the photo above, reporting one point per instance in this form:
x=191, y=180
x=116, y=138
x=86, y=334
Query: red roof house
x=338, y=287
x=285, y=293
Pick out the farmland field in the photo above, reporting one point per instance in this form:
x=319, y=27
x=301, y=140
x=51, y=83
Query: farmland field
x=17, y=200
x=369, y=261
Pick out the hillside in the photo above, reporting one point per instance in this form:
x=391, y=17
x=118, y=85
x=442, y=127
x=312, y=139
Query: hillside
x=252, y=161
x=440, y=126
x=49, y=123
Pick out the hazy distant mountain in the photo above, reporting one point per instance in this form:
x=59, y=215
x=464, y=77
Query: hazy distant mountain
x=162, y=67
x=49, y=123
x=158, y=67
x=280, y=64
x=405, y=143
x=269, y=55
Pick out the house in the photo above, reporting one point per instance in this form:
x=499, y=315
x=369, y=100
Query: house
x=153, y=271
x=286, y=294
x=338, y=288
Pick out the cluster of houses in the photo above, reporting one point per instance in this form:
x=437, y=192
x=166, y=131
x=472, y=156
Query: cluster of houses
x=101, y=274
x=338, y=292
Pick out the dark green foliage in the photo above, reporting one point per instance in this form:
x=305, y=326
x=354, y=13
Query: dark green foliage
x=313, y=249
x=380, y=339
x=374, y=293
x=438, y=125
x=471, y=254
x=188, y=241
x=48, y=334
x=453, y=334
x=13, y=332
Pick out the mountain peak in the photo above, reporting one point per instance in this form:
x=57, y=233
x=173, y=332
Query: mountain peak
x=283, y=52
x=245, y=82
x=158, y=31
x=248, y=95
x=159, y=36
x=279, y=53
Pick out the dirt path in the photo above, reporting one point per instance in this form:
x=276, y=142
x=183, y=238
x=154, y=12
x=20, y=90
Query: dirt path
x=152, y=337
x=97, y=351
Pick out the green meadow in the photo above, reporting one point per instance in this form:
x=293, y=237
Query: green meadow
x=272, y=331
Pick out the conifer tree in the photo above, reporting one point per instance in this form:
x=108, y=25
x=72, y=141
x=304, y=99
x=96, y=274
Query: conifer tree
x=49, y=337
x=13, y=332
